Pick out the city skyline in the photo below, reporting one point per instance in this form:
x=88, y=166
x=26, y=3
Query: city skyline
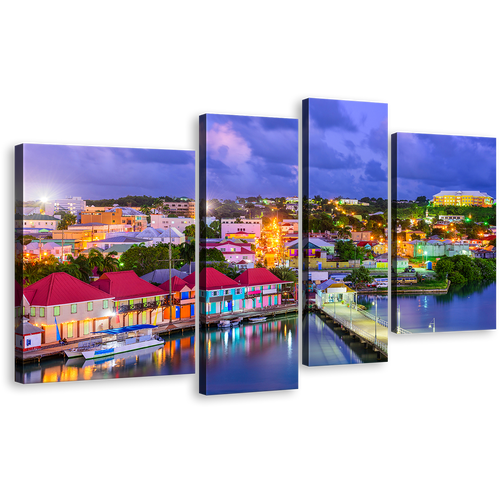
x=92, y=172
x=348, y=143
x=428, y=164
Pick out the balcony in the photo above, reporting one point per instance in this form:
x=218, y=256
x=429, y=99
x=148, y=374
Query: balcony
x=141, y=306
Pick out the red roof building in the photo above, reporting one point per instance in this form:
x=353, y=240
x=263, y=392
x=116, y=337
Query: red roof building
x=258, y=276
x=211, y=279
x=190, y=279
x=65, y=307
x=62, y=288
x=178, y=285
x=137, y=301
x=126, y=285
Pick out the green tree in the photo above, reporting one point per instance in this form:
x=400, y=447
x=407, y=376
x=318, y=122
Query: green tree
x=187, y=251
x=359, y=276
x=67, y=220
x=284, y=273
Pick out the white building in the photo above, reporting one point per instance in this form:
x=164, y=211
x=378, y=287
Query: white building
x=74, y=205
x=349, y=201
x=249, y=226
x=452, y=218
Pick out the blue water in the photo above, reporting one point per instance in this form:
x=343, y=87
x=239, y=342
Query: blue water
x=251, y=357
x=468, y=307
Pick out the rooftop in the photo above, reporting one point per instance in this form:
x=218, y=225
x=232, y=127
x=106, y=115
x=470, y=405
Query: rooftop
x=61, y=288
x=125, y=285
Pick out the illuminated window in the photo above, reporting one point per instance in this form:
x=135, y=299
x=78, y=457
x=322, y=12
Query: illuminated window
x=90, y=306
x=105, y=304
x=73, y=308
x=56, y=310
x=33, y=311
x=42, y=312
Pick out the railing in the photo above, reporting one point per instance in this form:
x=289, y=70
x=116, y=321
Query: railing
x=362, y=333
x=384, y=347
x=371, y=316
x=403, y=331
x=141, y=306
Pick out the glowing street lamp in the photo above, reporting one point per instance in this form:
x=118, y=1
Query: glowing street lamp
x=433, y=325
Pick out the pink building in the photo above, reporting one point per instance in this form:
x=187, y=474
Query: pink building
x=248, y=226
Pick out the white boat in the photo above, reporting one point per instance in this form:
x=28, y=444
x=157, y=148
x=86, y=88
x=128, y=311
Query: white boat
x=258, y=319
x=235, y=322
x=224, y=324
x=130, y=344
x=116, y=341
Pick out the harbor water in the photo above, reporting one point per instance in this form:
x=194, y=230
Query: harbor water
x=468, y=307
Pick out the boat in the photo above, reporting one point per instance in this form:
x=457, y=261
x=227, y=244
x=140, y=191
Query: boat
x=116, y=341
x=131, y=344
x=224, y=324
x=235, y=322
x=257, y=319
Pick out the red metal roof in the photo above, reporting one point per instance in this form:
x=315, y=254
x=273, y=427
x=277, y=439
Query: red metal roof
x=61, y=288
x=211, y=279
x=178, y=285
x=124, y=285
x=258, y=276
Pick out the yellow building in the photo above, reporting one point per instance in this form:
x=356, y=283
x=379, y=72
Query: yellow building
x=462, y=199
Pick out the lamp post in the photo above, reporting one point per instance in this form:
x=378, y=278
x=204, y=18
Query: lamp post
x=376, y=316
x=433, y=325
x=399, y=318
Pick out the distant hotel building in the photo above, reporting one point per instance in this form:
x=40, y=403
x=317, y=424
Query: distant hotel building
x=184, y=208
x=160, y=222
x=462, y=199
x=74, y=205
x=348, y=201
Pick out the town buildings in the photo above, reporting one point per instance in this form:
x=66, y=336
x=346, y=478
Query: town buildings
x=132, y=218
x=35, y=223
x=462, y=199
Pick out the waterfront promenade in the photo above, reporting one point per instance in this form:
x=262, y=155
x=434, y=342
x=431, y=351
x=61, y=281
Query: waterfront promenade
x=363, y=324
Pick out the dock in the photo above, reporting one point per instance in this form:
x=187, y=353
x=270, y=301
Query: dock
x=179, y=327
x=55, y=349
x=369, y=330
x=271, y=312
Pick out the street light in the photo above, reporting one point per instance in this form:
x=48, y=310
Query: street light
x=399, y=317
x=433, y=325
x=376, y=317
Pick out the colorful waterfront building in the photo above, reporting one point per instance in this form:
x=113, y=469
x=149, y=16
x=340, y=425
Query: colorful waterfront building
x=65, y=307
x=219, y=294
x=136, y=302
x=184, y=297
x=264, y=290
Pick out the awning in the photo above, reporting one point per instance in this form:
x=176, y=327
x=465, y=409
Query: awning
x=125, y=329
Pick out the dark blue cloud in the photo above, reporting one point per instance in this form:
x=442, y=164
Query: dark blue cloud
x=430, y=163
x=330, y=114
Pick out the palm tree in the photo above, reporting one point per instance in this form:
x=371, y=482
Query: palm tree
x=343, y=233
x=187, y=251
x=284, y=273
x=103, y=263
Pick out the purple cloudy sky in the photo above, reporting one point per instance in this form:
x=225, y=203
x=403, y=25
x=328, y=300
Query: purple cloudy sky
x=251, y=156
x=430, y=163
x=54, y=172
x=347, y=149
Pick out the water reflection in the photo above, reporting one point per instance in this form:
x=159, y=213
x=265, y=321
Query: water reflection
x=468, y=307
x=175, y=357
x=251, y=357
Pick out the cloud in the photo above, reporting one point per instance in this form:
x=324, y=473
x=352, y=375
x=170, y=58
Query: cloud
x=100, y=172
x=251, y=155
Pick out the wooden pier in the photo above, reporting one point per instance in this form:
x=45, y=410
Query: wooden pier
x=360, y=326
